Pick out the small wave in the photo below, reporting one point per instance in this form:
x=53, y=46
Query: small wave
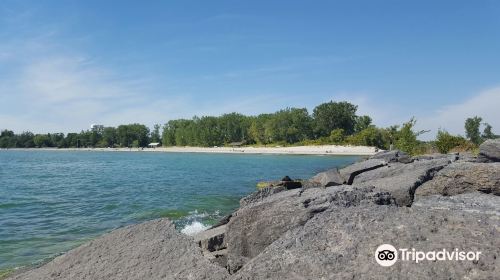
x=194, y=228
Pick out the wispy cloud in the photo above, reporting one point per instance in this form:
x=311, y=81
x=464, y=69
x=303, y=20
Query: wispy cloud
x=452, y=117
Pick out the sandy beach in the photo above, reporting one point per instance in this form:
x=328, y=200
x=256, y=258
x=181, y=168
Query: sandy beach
x=297, y=150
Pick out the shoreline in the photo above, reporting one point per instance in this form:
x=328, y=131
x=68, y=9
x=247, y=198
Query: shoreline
x=294, y=150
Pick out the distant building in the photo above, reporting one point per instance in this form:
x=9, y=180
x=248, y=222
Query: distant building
x=153, y=145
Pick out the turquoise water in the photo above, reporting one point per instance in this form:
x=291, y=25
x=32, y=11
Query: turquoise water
x=51, y=201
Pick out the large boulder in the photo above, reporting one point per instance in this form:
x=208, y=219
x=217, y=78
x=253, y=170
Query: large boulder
x=489, y=151
x=341, y=244
x=151, y=250
x=353, y=170
x=462, y=177
x=255, y=226
x=401, y=180
x=328, y=178
x=393, y=156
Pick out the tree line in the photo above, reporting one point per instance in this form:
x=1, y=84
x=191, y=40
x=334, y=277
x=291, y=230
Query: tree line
x=329, y=123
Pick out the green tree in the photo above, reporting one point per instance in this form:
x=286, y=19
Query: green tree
x=472, y=126
x=362, y=122
x=407, y=138
x=42, y=141
x=334, y=115
x=487, y=132
x=155, y=134
x=337, y=136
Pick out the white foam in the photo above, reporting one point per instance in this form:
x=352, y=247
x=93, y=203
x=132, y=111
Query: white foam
x=194, y=228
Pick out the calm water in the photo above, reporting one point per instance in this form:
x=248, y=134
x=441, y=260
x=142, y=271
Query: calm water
x=51, y=201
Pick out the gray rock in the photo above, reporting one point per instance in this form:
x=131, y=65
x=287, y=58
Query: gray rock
x=475, y=202
x=211, y=239
x=260, y=195
x=257, y=225
x=451, y=157
x=401, y=180
x=489, y=151
x=340, y=243
x=353, y=170
x=462, y=177
x=393, y=156
x=328, y=178
x=151, y=250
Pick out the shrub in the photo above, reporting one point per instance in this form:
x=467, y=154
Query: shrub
x=371, y=136
x=445, y=142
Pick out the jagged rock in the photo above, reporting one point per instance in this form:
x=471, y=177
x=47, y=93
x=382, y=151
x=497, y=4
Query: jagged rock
x=393, y=156
x=260, y=195
x=340, y=243
x=353, y=170
x=328, y=178
x=401, y=180
x=489, y=151
x=258, y=224
x=151, y=250
x=462, y=177
x=211, y=239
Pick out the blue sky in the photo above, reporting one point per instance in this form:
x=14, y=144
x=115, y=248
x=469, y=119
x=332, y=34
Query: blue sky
x=67, y=64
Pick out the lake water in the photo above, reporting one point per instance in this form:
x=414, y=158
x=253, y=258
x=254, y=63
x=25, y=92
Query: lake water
x=52, y=201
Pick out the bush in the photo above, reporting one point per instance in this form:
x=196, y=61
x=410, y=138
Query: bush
x=371, y=136
x=445, y=142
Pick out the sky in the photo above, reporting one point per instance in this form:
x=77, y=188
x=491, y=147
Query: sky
x=67, y=64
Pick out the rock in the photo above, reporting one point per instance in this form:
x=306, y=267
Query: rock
x=462, y=177
x=222, y=221
x=451, y=157
x=340, y=243
x=393, y=156
x=260, y=195
x=328, y=178
x=258, y=224
x=290, y=185
x=217, y=257
x=473, y=202
x=489, y=151
x=151, y=250
x=286, y=182
x=467, y=156
x=401, y=180
x=211, y=239
x=351, y=171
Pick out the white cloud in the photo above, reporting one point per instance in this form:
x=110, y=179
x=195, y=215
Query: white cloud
x=452, y=117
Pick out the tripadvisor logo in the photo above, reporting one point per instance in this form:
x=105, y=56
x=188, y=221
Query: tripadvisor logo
x=387, y=255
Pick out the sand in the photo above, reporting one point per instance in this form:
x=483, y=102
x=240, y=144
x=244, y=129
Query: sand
x=297, y=150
